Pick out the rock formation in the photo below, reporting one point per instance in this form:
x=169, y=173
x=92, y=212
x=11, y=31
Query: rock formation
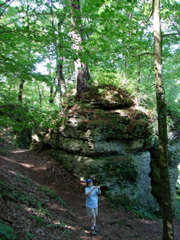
x=106, y=137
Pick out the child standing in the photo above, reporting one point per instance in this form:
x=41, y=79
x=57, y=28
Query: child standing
x=91, y=193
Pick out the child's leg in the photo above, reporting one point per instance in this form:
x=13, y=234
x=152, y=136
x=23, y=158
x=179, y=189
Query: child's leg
x=93, y=221
x=92, y=212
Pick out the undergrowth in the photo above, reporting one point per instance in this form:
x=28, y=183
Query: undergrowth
x=139, y=212
x=7, y=232
x=26, y=207
x=53, y=194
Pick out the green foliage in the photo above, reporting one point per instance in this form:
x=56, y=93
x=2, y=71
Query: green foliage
x=7, y=232
x=5, y=141
x=172, y=86
x=103, y=76
x=132, y=206
x=52, y=194
x=122, y=167
x=8, y=192
x=61, y=201
x=12, y=193
x=30, y=203
x=115, y=36
x=125, y=170
x=143, y=214
x=39, y=220
x=48, y=191
x=29, y=235
x=23, y=119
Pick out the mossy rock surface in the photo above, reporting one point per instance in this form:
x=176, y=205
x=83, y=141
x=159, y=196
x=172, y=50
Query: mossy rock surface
x=106, y=137
x=107, y=97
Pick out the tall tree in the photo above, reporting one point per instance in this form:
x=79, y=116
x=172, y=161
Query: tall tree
x=81, y=68
x=166, y=202
x=58, y=50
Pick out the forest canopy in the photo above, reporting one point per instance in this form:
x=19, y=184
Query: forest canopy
x=45, y=43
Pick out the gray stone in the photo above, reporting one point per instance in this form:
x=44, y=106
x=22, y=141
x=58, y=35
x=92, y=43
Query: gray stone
x=107, y=138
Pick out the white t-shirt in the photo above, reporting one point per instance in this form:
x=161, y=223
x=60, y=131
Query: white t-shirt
x=92, y=199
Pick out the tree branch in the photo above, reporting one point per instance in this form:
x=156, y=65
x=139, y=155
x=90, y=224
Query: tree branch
x=4, y=3
x=7, y=5
x=142, y=54
x=151, y=14
x=4, y=97
x=170, y=34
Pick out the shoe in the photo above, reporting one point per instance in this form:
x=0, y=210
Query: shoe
x=96, y=229
x=93, y=232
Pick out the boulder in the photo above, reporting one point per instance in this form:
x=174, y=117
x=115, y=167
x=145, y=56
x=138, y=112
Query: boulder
x=107, y=137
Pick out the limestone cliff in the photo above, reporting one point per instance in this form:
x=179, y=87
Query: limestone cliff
x=106, y=137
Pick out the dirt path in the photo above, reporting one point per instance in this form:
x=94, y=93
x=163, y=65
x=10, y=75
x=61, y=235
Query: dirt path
x=113, y=223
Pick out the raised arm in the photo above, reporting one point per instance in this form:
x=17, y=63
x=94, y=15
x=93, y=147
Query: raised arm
x=88, y=193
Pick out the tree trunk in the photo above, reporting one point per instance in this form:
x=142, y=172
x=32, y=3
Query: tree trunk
x=52, y=92
x=166, y=201
x=40, y=95
x=20, y=94
x=81, y=68
x=59, y=58
x=82, y=76
x=60, y=75
x=51, y=98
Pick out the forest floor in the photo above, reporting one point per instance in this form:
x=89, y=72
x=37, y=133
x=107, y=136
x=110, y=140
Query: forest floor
x=42, y=201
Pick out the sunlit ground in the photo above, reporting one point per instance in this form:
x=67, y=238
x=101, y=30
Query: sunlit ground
x=20, y=150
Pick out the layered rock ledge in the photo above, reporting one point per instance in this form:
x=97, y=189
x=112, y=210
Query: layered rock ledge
x=106, y=137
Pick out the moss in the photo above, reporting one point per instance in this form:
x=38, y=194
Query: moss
x=125, y=170
x=106, y=169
